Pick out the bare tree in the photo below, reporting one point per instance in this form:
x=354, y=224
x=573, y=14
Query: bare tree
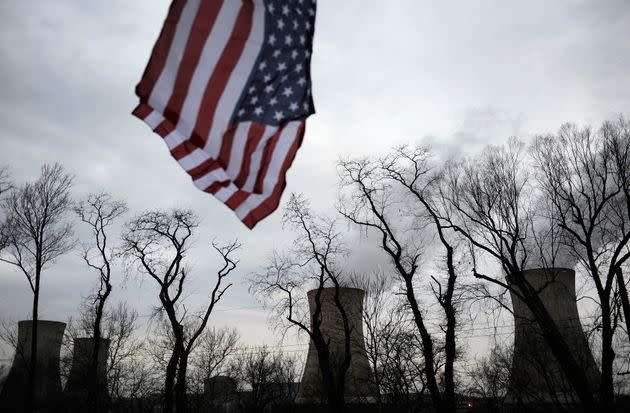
x=5, y=186
x=402, y=365
x=488, y=201
x=375, y=310
x=585, y=175
x=315, y=261
x=215, y=347
x=5, y=180
x=37, y=233
x=129, y=373
x=393, y=346
x=254, y=370
x=157, y=243
x=268, y=377
x=616, y=137
x=99, y=212
x=489, y=377
x=392, y=197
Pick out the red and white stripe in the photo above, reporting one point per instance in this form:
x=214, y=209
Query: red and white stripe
x=198, y=69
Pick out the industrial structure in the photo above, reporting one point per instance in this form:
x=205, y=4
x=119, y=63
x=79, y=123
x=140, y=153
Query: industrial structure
x=47, y=394
x=358, y=383
x=536, y=375
x=76, y=391
x=220, y=390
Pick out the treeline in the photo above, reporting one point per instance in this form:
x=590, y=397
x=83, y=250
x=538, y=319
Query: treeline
x=454, y=233
x=464, y=230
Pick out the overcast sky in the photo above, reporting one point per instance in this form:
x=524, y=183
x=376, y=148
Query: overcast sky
x=456, y=74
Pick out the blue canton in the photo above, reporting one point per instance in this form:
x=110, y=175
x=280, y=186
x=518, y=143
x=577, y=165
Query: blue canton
x=279, y=89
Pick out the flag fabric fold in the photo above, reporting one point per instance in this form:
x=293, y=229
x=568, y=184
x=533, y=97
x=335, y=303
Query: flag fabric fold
x=228, y=88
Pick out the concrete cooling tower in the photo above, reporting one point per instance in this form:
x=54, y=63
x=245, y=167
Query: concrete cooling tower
x=535, y=374
x=76, y=392
x=358, y=378
x=47, y=395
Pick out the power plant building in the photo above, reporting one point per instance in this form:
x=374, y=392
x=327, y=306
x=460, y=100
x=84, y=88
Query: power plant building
x=47, y=395
x=358, y=384
x=535, y=374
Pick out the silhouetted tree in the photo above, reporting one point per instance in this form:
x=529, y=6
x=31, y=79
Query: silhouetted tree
x=37, y=233
x=5, y=186
x=157, y=243
x=489, y=377
x=490, y=201
x=393, y=346
x=393, y=198
x=129, y=372
x=213, y=350
x=585, y=174
x=315, y=261
x=266, y=378
x=99, y=212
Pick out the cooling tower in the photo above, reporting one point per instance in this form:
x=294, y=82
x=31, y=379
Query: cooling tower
x=76, y=392
x=359, y=385
x=47, y=381
x=535, y=374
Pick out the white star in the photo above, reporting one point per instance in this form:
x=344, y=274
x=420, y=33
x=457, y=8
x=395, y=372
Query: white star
x=285, y=10
x=298, y=11
x=254, y=100
x=241, y=112
x=252, y=89
x=293, y=106
x=301, y=81
x=305, y=106
x=287, y=91
x=294, y=54
x=277, y=52
x=272, y=40
x=282, y=66
x=307, y=54
x=298, y=67
x=258, y=111
x=288, y=40
x=262, y=65
x=284, y=78
x=295, y=24
x=280, y=24
x=311, y=12
x=269, y=89
x=278, y=115
x=302, y=39
x=270, y=8
x=267, y=78
x=273, y=101
x=308, y=25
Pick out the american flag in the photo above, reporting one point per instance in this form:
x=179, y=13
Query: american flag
x=228, y=88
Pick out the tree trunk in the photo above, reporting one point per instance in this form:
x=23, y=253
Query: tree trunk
x=328, y=380
x=607, y=392
x=94, y=398
x=33, y=365
x=450, y=345
x=180, y=387
x=337, y=402
x=625, y=303
x=169, y=381
x=427, y=346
